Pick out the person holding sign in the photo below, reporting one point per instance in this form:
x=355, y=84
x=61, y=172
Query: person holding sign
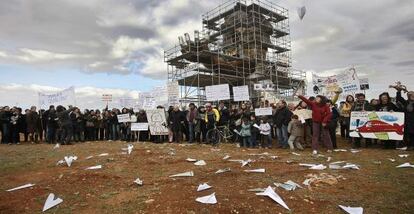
x=321, y=115
x=408, y=107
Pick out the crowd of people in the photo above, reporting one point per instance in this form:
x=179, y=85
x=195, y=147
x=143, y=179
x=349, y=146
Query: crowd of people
x=283, y=128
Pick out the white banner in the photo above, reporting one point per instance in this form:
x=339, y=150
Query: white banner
x=218, y=92
x=139, y=126
x=123, y=118
x=241, y=93
x=347, y=80
x=157, y=122
x=378, y=125
x=263, y=111
x=64, y=97
x=173, y=90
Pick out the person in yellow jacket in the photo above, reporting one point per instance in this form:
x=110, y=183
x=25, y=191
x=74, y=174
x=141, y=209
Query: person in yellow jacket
x=212, y=116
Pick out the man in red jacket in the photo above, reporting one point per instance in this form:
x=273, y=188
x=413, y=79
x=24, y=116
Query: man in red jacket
x=321, y=115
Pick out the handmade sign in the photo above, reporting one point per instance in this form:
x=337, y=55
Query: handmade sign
x=64, y=97
x=123, y=118
x=139, y=126
x=377, y=125
x=364, y=84
x=218, y=92
x=107, y=97
x=241, y=93
x=263, y=111
x=173, y=90
x=347, y=80
x=157, y=122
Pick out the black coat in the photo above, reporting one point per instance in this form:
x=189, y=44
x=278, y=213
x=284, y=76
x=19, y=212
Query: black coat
x=408, y=112
x=282, y=117
x=175, y=118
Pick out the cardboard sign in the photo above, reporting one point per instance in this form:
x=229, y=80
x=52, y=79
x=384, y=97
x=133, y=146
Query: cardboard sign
x=263, y=111
x=377, y=125
x=123, y=118
x=139, y=126
x=157, y=122
x=107, y=97
x=218, y=92
x=241, y=93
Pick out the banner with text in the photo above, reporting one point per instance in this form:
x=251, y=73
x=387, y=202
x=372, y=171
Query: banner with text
x=64, y=97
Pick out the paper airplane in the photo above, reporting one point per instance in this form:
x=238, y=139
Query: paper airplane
x=403, y=155
x=301, y=12
x=20, y=187
x=255, y=170
x=338, y=162
x=402, y=148
x=89, y=157
x=51, y=202
x=226, y=157
x=306, y=182
x=352, y=210
x=334, y=166
x=223, y=170
x=274, y=157
x=130, y=147
x=208, y=199
x=273, y=195
x=294, y=153
x=202, y=187
x=307, y=164
x=184, y=174
x=391, y=159
x=288, y=185
x=56, y=146
x=70, y=159
x=405, y=165
x=340, y=150
x=350, y=166
x=200, y=163
x=191, y=160
x=329, y=159
x=318, y=167
x=246, y=162
x=60, y=162
x=354, y=151
x=257, y=190
x=103, y=154
x=262, y=154
x=138, y=181
x=94, y=167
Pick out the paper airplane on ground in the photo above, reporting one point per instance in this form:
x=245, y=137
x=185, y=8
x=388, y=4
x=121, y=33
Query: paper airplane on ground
x=89, y=157
x=51, y=202
x=288, y=185
x=255, y=170
x=56, y=146
x=334, y=166
x=202, y=187
x=191, y=160
x=318, y=167
x=130, y=147
x=352, y=210
x=402, y=148
x=20, y=187
x=94, y=167
x=273, y=195
x=246, y=162
x=208, y=199
x=262, y=154
x=226, y=157
x=200, y=163
x=184, y=174
x=138, y=181
x=340, y=150
x=103, y=154
x=223, y=170
x=350, y=166
x=391, y=159
x=405, y=165
x=403, y=155
x=354, y=151
x=294, y=153
x=70, y=159
x=257, y=190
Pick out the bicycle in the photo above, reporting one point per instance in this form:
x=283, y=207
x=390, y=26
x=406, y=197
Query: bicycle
x=217, y=134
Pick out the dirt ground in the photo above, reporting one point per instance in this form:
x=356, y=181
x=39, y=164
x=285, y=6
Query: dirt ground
x=378, y=186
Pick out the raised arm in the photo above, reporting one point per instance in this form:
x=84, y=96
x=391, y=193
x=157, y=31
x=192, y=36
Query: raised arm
x=400, y=98
x=304, y=99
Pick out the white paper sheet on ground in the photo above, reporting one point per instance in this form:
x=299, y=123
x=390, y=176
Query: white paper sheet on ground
x=262, y=154
x=307, y=164
x=257, y=190
x=94, y=167
x=226, y=157
x=403, y=155
x=334, y=166
x=350, y=166
x=130, y=147
x=338, y=162
x=70, y=159
x=208, y=199
x=237, y=132
x=274, y=157
x=89, y=157
x=294, y=153
x=246, y=162
x=139, y=181
x=191, y=160
x=391, y=159
x=202, y=187
x=354, y=151
x=318, y=167
x=20, y=187
x=255, y=170
x=288, y=185
x=306, y=182
x=402, y=148
x=56, y=146
x=352, y=210
x=340, y=150
x=51, y=202
x=103, y=154
x=273, y=195
x=200, y=163
x=406, y=165
x=184, y=174
x=223, y=170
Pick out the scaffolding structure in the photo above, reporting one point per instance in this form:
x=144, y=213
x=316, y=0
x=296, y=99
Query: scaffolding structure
x=242, y=42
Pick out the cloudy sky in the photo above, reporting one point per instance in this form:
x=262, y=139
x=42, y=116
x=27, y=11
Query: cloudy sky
x=116, y=46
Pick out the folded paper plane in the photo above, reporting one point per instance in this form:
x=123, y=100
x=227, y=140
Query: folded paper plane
x=51, y=202
x=20, y=187
x=70, y=159
x=402, y=148
x=138, y=181
x=340, y=150
x=89, y=157
x=269, y=192
x=405, y=165
x=403, y=155
x=200, y=163
x=318, y=167
x=184, y=174
x=94, y=167
x=226, y=157
x=208, y=199
x=103, y=154
x=191, y=160
x=352, y=210
x=223, y=170
x=255, y=170
x=202, y=187
x=56, y=146
x=130, y=147
x=294, y=153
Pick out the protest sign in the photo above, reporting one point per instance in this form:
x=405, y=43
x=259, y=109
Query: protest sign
x=123, y=118
x=241, y=93
x=157, y=122
x=107, y=97
x=377, y=125
x=218, y=92
x=173, y=90
x=64, y=97
x=139, y=126
x=364, y=84
x=327, y=86
x=263, y=111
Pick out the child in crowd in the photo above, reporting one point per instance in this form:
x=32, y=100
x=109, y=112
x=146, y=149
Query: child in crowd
x=295, y=129
x=265, y=136
x=245, y=133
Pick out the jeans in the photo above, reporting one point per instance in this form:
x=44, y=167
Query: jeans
x=51, y=135
x=191, y=132
x=282, y=135
x=246, y=141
